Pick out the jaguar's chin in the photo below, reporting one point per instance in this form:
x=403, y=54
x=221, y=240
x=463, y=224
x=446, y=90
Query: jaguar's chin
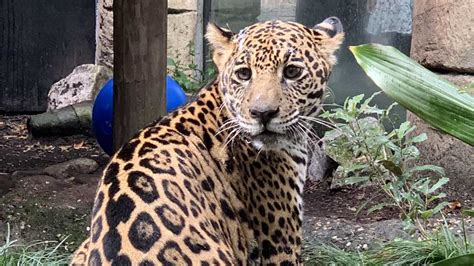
x=269, y=140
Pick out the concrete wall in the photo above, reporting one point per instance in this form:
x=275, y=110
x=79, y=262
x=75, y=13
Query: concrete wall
x=184, y=25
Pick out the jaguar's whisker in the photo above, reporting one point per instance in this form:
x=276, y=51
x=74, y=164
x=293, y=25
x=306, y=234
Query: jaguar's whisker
x=319, y=121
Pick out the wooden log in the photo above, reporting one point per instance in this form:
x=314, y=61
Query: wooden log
x=139, y=65
x=70, y=120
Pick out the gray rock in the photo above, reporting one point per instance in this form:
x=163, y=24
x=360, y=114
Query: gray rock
x=320, y=165
x=81, y=85
x=345, y=156
x=72, y=167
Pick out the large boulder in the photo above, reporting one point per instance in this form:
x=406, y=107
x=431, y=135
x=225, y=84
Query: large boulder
x=320, y=164
x=443, y=34
x=81, y=85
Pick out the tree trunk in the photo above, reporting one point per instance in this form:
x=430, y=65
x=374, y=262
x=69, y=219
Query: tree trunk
x=139, y=66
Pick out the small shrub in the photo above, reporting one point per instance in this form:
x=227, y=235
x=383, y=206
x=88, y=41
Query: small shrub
x=368, y=153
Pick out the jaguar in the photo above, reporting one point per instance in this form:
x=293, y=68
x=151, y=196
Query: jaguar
x=219, y=181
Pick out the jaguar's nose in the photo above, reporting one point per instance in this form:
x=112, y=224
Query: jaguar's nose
x=264, y=116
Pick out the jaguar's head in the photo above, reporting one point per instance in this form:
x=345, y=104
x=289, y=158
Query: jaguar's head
x=273, y=75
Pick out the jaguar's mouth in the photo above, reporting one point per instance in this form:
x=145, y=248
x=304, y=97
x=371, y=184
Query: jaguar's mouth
x=266, y=139
x=267, y=135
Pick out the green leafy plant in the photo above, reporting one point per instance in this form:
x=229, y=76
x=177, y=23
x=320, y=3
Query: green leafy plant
x=368, y=153
x=463, y=260
x=372, y=154
x=189, y=76
x=433, y=99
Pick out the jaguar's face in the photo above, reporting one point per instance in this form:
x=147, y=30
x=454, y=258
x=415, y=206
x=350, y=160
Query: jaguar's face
x=273, y=75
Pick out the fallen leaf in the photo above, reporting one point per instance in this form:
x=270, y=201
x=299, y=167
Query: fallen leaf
x=8, y=137
x=64, y=148
x=79, y=145
x=28, y=148
x=454, y=205
x=47, y=147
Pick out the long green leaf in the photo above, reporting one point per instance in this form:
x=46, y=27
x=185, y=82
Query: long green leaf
x=433, y=99
x=467, y=260
x=469, y=213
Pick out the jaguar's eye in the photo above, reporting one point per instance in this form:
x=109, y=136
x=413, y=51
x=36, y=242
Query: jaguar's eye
x=244, y=73
x=292, y=72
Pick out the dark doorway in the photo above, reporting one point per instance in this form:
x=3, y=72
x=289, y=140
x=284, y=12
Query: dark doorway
x=40, y=43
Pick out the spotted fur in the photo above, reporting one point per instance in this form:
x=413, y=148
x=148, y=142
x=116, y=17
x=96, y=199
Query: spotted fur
x=219, y=181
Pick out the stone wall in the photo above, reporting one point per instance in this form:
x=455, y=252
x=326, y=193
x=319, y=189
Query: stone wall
x=443, y=39
x=181, y=34
x=183, y=23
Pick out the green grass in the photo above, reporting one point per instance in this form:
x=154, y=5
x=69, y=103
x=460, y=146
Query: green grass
x=441, y=245
x=35, y=253
x=327, y=254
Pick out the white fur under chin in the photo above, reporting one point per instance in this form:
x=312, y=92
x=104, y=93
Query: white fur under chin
x=258, y=144
x=277, y=145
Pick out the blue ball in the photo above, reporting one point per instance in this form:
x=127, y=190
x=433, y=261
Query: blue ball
x=103, y=110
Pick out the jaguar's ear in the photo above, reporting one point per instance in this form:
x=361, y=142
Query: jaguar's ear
x=329, y=37
x=221, y=41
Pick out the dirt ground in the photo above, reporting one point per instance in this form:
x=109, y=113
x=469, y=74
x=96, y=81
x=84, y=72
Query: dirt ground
x=40, y=207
